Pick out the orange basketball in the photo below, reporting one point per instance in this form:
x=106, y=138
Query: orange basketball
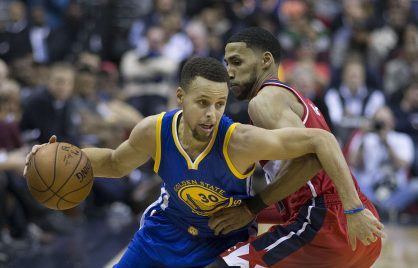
x=59, y=176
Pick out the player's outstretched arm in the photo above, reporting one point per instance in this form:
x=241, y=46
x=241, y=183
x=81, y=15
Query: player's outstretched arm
x=249, y=144
x=132, y=153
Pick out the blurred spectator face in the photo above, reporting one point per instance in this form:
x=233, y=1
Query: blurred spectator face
x=294, y=10
x=353, y=75
x=90, y=61
x=23, y=71
x=164, y=6
x=385, y=116
x=4, y=71
x=156, y=39
x=41, y=75
x=411, y=96
x=86, y=84
x=198, y=35
x=38, y=16
x=17, y=11
x=411, y=42
x=61, y=82
x=354, y=11
x=10, y=98
x=303, y=79
x=171, y=23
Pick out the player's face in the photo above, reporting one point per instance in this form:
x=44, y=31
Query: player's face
x=242, y=65
x=203, y=105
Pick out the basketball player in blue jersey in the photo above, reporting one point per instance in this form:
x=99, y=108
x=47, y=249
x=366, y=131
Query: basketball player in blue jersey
x=204, y=160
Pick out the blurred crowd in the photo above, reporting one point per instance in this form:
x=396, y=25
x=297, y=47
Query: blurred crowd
x=89, y=70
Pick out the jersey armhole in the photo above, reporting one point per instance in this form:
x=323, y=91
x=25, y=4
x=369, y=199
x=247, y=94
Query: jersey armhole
x=231, y=166
x=158, y=125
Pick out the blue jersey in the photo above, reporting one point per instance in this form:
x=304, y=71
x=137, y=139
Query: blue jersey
x=193, y=190
x=174, y=230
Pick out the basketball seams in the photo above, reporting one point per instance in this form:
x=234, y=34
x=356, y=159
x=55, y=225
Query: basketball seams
x=37, y=172
x=63, y=197
x=69, y=177
x=56, y=200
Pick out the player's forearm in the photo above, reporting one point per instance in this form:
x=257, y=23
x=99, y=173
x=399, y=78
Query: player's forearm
x=291, y=176
x=103, y=163
x=332, y=160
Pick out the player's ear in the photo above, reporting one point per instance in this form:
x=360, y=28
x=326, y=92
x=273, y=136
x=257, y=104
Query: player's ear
x=180, y=95
x=267, y=60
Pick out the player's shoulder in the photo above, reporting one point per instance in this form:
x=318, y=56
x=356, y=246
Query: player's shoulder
x=146, y=128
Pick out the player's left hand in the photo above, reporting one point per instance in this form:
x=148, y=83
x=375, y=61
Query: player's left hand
x=365, y=227
x=230, y=219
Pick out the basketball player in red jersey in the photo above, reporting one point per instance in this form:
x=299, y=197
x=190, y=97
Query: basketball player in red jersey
x=319, y=219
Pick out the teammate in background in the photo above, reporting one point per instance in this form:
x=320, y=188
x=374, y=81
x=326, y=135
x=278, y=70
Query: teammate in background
x=205, y=161
x=317, y=219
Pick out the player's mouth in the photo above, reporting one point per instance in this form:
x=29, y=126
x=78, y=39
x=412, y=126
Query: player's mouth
x=206, y=127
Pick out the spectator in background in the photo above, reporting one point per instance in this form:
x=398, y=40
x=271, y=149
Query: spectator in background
x=353, y=102
x=38, y=33
x=149, y=78
x=299, y=27
x=51, y=111
x=351, y=31
x=403, y=68
x=406, y=114
x=16, y=43
x=382, y=159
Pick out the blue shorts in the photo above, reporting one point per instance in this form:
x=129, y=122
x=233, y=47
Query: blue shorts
x=159, y=243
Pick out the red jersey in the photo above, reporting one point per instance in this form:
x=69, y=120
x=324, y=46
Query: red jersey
x=321, y=183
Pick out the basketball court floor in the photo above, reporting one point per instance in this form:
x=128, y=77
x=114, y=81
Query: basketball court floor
x=400, y=248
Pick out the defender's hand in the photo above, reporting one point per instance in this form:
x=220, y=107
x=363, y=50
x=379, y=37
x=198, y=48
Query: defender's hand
x=230, y=219
x=365, y=227
x=35, y=148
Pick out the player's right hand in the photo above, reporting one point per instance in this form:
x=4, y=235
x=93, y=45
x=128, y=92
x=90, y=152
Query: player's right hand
x=35, y=148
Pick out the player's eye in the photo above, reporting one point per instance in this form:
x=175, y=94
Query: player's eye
x=219, y=105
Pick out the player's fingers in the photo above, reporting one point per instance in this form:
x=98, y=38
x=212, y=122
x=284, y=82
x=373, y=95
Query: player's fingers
x=229, y=229
x=35, y=148
x=378, y=224
x=52, y=139
x=214, y=221
x=353, y=241
x=218, y=229
x=378, y=232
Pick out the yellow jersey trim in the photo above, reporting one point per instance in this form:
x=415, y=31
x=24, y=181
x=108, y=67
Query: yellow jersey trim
x=157, y=159
x=228, y=160
x=202, y=155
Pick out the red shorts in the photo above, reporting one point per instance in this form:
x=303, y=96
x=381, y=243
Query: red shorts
x=316, y=238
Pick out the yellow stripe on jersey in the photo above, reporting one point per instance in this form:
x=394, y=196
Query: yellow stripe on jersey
x=157, y=159
x=202, y=155
x=228, y=160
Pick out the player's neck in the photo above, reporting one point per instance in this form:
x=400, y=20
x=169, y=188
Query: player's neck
x=260, y=80
x=188, y=141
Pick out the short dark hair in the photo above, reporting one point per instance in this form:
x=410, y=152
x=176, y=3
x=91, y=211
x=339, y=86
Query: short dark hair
x=206, y=67
x=258, y=38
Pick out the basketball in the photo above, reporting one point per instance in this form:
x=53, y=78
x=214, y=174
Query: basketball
x=59, y=176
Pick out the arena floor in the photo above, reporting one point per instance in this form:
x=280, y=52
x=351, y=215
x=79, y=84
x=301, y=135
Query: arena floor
x=400, y=248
